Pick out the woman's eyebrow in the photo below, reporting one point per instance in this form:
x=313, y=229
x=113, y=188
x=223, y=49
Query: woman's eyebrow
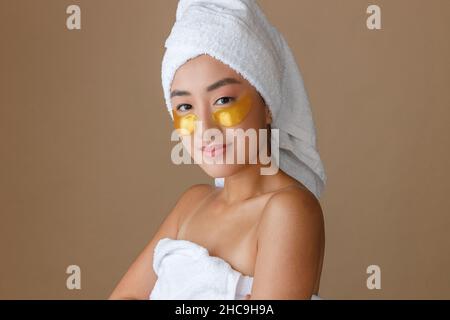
x=222, y=83
x=211, y=87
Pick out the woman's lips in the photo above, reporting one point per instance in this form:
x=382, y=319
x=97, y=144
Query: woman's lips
x=214, y=150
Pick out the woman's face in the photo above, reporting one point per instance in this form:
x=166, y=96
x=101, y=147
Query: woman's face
x=210, y=101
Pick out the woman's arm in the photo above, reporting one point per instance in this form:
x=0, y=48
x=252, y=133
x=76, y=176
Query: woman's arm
x=139, y=280
x=290, y=243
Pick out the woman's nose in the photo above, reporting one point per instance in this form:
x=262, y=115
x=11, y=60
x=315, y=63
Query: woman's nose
x=206, y=121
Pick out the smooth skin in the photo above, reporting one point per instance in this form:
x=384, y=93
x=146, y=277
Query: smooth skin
x=270, y=227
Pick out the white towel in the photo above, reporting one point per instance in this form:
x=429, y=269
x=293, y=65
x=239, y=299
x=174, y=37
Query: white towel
x=186, y=271
x=237, y=33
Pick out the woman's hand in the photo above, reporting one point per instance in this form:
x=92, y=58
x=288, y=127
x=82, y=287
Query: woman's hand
x=247, y=297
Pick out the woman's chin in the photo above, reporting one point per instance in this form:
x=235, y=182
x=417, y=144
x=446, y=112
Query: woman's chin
x=221, y=170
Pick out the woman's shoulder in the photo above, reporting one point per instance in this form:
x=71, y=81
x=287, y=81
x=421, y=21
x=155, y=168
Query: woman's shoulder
x=292, y=204
x=294, y=196
x=197, y=190
x=193, y=194
x=191, y=198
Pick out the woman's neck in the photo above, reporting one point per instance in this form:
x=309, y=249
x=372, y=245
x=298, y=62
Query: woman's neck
x=245, y=184
x=249, y=182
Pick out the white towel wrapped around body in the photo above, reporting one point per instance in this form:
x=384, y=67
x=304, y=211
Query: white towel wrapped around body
x=186, y=271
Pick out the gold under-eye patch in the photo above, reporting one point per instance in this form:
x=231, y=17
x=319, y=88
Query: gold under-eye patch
x=227, y=116
x=184, y=124
x=234, y=114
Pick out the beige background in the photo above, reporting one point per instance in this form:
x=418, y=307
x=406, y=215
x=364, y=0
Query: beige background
x=85, y=170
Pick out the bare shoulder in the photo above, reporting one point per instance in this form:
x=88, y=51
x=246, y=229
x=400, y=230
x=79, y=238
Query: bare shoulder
x=140, y=278
x=191, y=197
x=200, y=188
x=196, y=192
x=293, y=200
x=291, y=207
x=290, y=238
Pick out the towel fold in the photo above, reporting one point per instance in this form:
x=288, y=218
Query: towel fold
x=186, y=271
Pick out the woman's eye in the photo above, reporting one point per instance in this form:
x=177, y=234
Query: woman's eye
x=225, y=100
x=184, y=107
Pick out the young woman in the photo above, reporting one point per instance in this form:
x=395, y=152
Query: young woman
x=259, y=236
